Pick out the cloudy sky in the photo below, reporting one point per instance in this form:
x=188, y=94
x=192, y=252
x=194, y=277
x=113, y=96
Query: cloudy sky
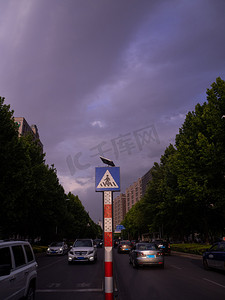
x=108, y=77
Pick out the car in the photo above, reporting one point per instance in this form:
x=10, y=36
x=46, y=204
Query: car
x=164, y=245
x=116, y=242
x=83, y=250
x=98, y=243
x=57, y=248
x=214, y=257
x=124, y=246
x=146, y=254
x=133, y=243
x=18, y=270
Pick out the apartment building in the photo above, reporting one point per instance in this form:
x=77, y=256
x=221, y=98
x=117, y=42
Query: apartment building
x=133, y=194
x=145, y=181
x=24, y=128
x=119, y=209
x=124, y=202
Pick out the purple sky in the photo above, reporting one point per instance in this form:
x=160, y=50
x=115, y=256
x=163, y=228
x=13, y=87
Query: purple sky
x=117, y=76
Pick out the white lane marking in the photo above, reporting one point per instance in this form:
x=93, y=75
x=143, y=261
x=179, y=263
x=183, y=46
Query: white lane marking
x=223, y=286
x=55, y=262
x=176, y=267
x=68, y=291
x=71, y=290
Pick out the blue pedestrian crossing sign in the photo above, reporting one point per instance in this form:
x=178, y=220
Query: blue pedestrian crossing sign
x=107, y=179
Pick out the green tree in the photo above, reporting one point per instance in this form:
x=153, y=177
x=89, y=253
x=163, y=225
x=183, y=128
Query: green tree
x=13, y=170
x=200, y=164
x=187, y=192
x=32, y=201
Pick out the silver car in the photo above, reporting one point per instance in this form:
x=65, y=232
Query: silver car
x=18, y=270
x=57, y=248
x=83, y=250
x=146, y=254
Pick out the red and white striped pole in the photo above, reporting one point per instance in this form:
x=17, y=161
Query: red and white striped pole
x=108, y=244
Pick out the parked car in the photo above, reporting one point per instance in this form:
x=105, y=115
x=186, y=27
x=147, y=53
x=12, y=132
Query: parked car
x=164, y=246
x=214, y=257
x=57, y=248
x=83, y=250
x=18, y=270
x=124, y=246
x=146, y=254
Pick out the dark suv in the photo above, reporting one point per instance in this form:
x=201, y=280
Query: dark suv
x=18, y=270
x=164, y=246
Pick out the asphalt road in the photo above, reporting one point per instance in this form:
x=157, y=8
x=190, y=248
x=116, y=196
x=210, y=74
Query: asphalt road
x=182, y=278
x=59, y=281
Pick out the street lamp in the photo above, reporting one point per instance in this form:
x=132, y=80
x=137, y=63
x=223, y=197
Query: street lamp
x=107, y=161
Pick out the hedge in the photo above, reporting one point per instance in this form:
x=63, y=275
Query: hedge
x=190, y=248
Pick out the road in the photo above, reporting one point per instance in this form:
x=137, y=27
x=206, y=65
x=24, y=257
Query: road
x=182, y=278
x=57, y=280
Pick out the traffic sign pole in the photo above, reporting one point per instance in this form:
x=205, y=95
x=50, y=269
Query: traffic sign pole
x=108, y=180
x=108, y=244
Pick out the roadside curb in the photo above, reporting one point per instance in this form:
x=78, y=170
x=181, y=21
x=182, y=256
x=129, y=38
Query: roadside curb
x=189, y=255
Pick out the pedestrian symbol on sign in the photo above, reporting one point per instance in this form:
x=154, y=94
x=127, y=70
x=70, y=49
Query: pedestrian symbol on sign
x=107, y=181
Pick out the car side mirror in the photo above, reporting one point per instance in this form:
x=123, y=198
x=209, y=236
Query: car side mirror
x=5, y=270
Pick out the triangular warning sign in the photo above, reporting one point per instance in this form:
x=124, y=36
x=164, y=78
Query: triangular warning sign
x=107, y=181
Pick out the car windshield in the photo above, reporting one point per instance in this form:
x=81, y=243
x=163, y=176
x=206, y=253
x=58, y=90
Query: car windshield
x=83, y=243
x=125, y=242
x=158, y=242
x=146, y=247
x=56, y=244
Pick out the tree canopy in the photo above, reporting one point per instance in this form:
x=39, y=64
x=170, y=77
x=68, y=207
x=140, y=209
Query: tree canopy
x=32, y=201
x=187, y=192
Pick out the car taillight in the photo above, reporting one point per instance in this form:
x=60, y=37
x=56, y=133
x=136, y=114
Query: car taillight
x=140, y=254
x=159, y=254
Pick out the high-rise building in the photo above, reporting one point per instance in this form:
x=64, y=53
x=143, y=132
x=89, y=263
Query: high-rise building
x=119, y=209
x=133, y=194
x=124, y=202
x=24, y=128
x=145, y=181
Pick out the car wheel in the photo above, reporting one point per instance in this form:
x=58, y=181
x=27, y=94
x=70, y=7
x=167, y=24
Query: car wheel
x=30, y=293
x=205, y=264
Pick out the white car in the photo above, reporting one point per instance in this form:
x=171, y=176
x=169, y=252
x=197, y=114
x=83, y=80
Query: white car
x=82, y=250
x=57, y=248
x=18, y=270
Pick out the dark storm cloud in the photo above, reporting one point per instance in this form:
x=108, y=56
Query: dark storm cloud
x=90, y=71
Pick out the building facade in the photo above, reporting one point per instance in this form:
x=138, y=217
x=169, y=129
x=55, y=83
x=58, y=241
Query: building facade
x=133, y=194
x=124, y=202
x=119, y=209
x=24, y=128
x=145, y=181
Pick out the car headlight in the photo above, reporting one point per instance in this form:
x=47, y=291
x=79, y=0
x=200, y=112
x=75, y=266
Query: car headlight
x=60, y=249
x=48, y=249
